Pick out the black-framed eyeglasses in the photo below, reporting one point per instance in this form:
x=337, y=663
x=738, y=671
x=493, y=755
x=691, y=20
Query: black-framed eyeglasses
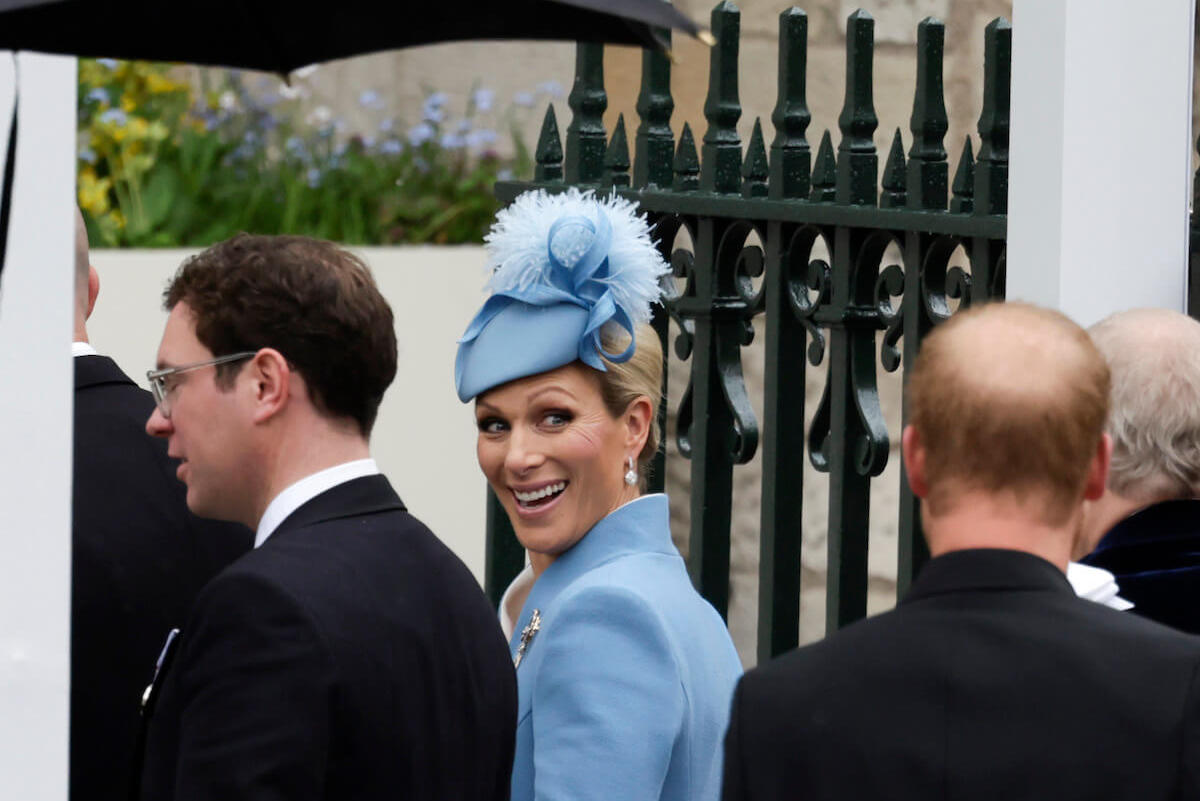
x=158, y=378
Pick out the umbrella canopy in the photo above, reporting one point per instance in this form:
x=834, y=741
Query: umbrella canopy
x=280, y=35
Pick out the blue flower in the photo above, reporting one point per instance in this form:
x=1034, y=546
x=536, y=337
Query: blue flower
x=368, y=141
x=523, y=99
x=432, y=110
x=110, y=63
x=88, y=155
x=552, y=88
x=370, y=99
x=115, y=116
x=314, y=177
x=391, y=147
x=97, y=95
x=482, y=137
x=420, y=134
x=453, y=141
x=504, y=175
x=295, y=146
x=387, y=125
x=483, y=99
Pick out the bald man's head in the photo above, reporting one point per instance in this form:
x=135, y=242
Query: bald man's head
x=1009, y=399
x=87, y=282
x=81, y=263
x=1154, y=356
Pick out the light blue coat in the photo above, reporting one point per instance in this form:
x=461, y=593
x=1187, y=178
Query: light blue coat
x=625, y=689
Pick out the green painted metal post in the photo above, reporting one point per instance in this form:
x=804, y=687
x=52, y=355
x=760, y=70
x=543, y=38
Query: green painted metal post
x=858, y=164
x=928, y=171
x=853, y=321
x=790, y=154
x=654, y=144
x=548, y=155
x=586, y=140
x=991, y=172
x=787, y=257
x=616, y=157
x=721, y=155
x=504, y=557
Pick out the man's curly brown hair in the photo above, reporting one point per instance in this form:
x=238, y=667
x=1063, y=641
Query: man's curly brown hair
x=312, y=301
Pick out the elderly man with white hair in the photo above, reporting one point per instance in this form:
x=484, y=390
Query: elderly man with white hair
x=1145, y=529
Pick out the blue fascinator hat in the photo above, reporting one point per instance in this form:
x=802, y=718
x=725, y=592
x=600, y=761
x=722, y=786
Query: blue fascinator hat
x=564, y=267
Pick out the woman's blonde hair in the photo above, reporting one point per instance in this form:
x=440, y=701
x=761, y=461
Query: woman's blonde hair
x=622, y=384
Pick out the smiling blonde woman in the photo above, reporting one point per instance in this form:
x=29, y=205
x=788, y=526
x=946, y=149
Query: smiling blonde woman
x=625, y=673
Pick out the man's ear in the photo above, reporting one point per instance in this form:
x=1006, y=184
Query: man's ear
x=93, y=290
x=638, y=418
x=1097, y=477
x=272, y=383
x=913, y=449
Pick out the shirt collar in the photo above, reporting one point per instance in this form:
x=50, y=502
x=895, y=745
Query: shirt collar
x=307, y=488
x=83, y=349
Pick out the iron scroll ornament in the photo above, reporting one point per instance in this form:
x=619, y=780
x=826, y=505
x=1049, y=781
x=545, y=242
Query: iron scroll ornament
x=731, y=310
x=858, y=314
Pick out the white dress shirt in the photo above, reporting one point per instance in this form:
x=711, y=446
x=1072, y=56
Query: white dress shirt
x=307, y=488
x=1096, y=584
x=82, y=349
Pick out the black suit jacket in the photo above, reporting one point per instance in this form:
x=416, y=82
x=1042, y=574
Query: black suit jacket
x=139, y=559
x=351, y=657
x=1155, y=556
x=990, y=680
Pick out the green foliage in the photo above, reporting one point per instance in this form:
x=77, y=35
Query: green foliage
x=162, y=164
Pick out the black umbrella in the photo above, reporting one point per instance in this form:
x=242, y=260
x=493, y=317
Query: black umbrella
x=279, y=36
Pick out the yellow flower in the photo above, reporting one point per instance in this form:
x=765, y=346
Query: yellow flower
x=160, y=84
x=128, y=103
x=93, y=192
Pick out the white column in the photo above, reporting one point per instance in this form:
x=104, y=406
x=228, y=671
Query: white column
x=1100, y=154
x=36, y=396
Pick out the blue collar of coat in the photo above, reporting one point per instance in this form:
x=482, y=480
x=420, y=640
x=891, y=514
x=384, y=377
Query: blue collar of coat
x=640, y=526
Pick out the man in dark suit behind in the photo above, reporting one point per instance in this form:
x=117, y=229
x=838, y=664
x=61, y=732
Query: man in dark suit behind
x=991, y=679
x=1145, y=528
x=139, y=557
x=350, y=655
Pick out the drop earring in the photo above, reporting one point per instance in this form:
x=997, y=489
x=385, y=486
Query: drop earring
x=631, y=475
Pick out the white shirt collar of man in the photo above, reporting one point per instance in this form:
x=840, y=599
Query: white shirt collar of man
x=82, y=349
x=1096, y=584
x=307, y=488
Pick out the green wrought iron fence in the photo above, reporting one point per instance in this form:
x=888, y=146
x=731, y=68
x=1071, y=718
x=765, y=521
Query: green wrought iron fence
x=814, y=308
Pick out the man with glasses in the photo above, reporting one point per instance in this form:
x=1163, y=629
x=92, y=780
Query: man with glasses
x=350, y=654
x=138, y=556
